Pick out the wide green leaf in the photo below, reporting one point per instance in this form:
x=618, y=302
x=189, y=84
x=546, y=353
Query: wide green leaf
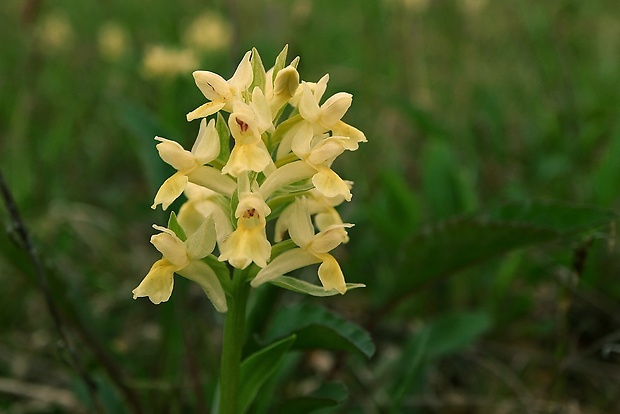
x=445, y=335
x=457, y=243
x=301, y=286
x=316, y=327
x=451, y=332
x=328, y=395
x=258, y=367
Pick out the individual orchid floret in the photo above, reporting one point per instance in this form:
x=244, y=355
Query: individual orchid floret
x=202, y=203
x=183, y=258
x=319, y=152
x=317, y=89
x=248, y=243
x=249, y=152
x=220, y=92
x=284, y=87
x=191, y=166
x=313, y=248
x=324, y=211
x=323, y=117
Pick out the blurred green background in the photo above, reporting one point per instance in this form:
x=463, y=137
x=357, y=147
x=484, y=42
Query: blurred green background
x=468, y=106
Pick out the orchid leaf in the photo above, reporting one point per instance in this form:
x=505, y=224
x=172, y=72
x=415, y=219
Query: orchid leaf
x=316, y=327
x=301, y=286
x=259, y=367
x=328, y=395
x=457, y=243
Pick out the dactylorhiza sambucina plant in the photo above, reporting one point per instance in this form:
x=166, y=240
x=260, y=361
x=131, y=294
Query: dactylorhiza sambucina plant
x=279, y=168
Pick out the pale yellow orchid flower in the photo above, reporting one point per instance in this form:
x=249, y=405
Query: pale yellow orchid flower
x=280, y=90
x=313, y=248
x=317, y=119
x=202, y=203
x=191, y=166
x=248, y=243
x=319, y=152
x=220, y=92
x=183, y=258
x=323, y=209
x=317, y=89
x=323, y=117
x=246, y=124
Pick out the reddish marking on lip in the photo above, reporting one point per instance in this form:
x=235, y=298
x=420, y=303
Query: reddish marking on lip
x=249, y=213
x=244, y=127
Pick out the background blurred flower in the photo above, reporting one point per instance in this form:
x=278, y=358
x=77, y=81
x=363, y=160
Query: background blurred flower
x=207, y=33
x=113, y=41
x=55, y=32
x=472, y=7
x=167, y=62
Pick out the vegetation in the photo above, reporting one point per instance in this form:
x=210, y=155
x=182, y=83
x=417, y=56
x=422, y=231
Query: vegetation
x=485, y=204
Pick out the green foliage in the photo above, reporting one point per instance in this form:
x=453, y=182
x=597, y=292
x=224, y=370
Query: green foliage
x=258, y=367
x=445, y=335
x=301, y=286
x=328, y=395
x=315, y=327
x=464, y=109
x=464, y=241
x=224, y=134
x=258, y=70
x=173, y=224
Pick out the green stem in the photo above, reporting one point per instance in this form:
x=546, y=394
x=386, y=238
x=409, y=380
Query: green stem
x=234, y=325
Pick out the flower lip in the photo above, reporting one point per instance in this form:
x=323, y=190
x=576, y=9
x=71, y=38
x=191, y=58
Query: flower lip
x=242, y=125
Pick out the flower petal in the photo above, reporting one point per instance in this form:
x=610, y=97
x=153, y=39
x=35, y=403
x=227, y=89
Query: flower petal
x=205, y=110
x=300, y=225
x=202, y=274
x=302, y=140
x=207, y=145
x=212, y=85
x=244, y=246
x=158, y=283
x=334, y=108
x=242, y=79
x=285, y=175
x=171, y=247
x=326, y=151
x=331, y=275
x=320, y=87
x=308, y=105
x=174, y=154
x=330, y=184
x=262, y=112
x=170, y=190
x=347, y=130
x=329, y=239
x=286, y=82
x=213, y=179
x=247, y=157
x=284, y=263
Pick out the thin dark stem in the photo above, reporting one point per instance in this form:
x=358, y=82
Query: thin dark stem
x=24, y=237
